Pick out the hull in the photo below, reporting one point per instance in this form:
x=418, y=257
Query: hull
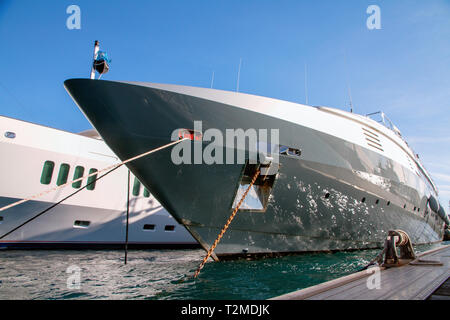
x=93, y=218
x=338, y=195
x=55, y=229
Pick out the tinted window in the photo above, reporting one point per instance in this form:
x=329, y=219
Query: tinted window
x=47, y=172
x=79, y=171
x=136, y=187
x=63, y=174
x=91, y=180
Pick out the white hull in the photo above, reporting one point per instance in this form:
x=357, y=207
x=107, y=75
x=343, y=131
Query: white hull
x=104, y=208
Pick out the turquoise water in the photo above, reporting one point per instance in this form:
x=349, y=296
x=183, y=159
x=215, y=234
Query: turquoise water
x=167, y=274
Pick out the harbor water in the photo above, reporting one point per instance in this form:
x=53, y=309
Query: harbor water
x=167, y=274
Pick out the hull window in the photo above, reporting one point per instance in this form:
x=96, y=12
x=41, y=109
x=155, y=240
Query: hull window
x=146, y=193
x=92, y=179
x=149, y=227
x=81, y=224
x=1, y=220
x=136, y=187
x=47, y=172
x=63, y=174
x=169, y=228
x=10, y=135
x=79, y=171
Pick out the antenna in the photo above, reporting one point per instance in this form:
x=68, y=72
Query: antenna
x=348, y=82
x=350, y=96
x=239, y=75
x=306, y=85
x=212, y=79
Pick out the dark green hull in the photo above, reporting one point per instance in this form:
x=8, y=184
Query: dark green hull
x=336, y=196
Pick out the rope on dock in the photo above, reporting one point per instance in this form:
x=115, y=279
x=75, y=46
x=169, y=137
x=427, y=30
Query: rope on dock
x=89, y=175
x=224, y=229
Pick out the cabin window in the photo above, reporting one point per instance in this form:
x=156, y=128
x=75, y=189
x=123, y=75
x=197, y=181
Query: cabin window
x=81, y=224
x=378, y=201
x=363, y=200
x=169, y=228
x=149, y=227
x=388, y=203
x=146, y=193
x=47, y=172
x=1, y=219
x=63, y=174
x=92, y=179
x=327, y=195
x=79, y=171
x=136, y=187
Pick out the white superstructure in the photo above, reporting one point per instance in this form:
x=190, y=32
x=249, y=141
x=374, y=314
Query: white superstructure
x=36, y=158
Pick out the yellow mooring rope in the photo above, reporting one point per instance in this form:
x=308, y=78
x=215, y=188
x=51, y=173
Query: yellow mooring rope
x=224, y=229
x=92, y=174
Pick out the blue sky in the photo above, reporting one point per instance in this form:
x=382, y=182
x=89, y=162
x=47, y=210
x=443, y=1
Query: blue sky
x=403, y=68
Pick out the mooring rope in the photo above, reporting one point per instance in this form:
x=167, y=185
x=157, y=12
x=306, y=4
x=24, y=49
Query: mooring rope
x=224, y=229
x=89, y=175
x=55, y=204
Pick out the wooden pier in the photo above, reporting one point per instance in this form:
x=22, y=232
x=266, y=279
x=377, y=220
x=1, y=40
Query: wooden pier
x=418, y=280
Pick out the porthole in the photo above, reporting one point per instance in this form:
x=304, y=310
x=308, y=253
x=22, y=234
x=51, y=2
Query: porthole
x=149, y=227
x=388, y=203
x=79, y=171
x=92, y=179
x=169, y=228
x=327, y=195
x=10, y=135
x=377, y=201
x=363, y=200
x=63, y=174
x=47, y=172
x=136, y=187
x=1, y=219
x=81, y=224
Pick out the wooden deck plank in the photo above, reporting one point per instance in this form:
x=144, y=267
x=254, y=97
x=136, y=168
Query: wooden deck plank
x=410, y=282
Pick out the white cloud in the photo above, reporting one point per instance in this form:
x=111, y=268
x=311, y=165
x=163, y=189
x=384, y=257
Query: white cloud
x=428, y=139
x=442, y=176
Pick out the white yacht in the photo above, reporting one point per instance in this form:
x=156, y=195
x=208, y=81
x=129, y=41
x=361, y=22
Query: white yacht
x=334, y=180
x=35, y=158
